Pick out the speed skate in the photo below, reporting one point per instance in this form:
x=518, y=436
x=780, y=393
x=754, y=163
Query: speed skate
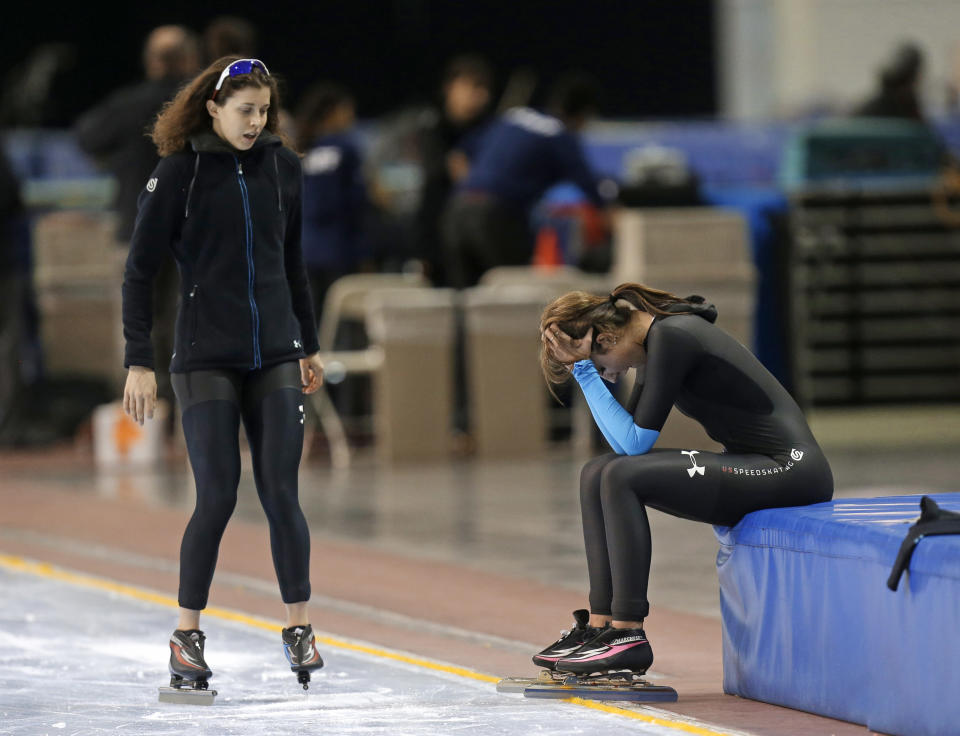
x=187, y=692
x=188, y=670
x=608, y=686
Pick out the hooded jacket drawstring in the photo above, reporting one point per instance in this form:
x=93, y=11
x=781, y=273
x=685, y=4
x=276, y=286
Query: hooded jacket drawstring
x=196, y=169
x=276, y=172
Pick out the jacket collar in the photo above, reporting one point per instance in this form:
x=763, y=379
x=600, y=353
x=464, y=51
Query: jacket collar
x=209, y=142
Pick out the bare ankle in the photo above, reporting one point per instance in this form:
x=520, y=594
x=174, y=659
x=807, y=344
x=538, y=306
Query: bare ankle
x=297, y=614
x=189, y=620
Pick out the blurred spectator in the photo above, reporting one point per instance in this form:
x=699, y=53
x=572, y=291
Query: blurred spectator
x=115, y=131
x=447, y=138
x=334, y=196
x=519, y=158
x=229, y=35
x=898, y=86
x=14, y=280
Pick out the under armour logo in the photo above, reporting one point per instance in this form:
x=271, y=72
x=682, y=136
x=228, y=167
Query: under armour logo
x=696, y=468
x=297, y=344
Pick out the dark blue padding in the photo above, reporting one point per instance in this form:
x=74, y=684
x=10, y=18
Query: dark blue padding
x=808, y=621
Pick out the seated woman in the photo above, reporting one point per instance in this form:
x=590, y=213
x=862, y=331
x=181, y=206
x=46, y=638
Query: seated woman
x=770, y=456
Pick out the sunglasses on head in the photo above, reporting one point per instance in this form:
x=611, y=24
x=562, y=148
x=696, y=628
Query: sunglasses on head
x=241, y=66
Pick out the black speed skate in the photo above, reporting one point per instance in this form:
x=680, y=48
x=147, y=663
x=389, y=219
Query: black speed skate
x=188, y=670
x=568, y=642
x=612, y=652
x=300, y=646
x=596, y=664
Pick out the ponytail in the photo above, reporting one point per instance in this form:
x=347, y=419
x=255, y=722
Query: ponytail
x=576, y=312
x=646, y=298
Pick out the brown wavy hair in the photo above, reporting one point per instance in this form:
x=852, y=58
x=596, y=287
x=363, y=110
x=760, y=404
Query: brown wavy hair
x=575, y=313
x=186, y=114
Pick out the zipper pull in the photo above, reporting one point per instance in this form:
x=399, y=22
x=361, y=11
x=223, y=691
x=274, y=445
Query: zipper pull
x=193, y=291
x=240, y=168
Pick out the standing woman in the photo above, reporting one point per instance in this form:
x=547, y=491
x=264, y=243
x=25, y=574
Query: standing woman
x=225, y=200
x=770, y=457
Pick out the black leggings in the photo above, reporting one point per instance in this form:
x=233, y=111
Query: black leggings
x=270, y=402
x=713, y=488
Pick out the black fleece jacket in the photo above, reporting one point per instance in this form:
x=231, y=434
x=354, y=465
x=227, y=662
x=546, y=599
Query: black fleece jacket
x=232, y=221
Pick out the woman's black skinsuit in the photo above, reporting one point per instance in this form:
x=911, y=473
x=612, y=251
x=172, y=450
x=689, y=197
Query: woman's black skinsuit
x=770, y=459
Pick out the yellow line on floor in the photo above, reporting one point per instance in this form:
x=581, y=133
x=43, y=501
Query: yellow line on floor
x=44, y=569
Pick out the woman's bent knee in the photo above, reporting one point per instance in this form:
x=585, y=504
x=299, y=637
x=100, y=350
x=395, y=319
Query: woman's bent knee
x=593, y=468
x=590, y=477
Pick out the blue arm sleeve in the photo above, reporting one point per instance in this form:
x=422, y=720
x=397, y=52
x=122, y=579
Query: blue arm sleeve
x=618, y=427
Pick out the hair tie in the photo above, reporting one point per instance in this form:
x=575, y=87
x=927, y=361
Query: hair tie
x=615, y=300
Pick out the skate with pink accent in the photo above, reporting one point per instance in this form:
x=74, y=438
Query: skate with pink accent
x=610, y=666
x=611, y=650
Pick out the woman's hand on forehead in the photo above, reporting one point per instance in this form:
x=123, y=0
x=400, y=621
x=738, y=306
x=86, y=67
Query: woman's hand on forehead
x=564, y=348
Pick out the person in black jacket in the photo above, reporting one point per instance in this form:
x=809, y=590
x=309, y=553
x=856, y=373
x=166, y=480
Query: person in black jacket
x=770, y=456
x=115, y=130
x=520, y=156
x=225, y=201
x=446, y=138
x=14, y=280
x=115, y=133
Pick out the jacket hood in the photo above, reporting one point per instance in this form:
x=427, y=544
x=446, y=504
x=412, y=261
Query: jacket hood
x=695, y=305
x=209, y=142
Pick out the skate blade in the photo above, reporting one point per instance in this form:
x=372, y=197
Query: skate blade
x=186, y=696
x=519, y=684
x=637, y=692
x=514, y=684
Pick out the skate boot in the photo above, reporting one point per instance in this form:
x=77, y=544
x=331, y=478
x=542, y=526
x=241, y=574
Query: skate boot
x=187, y=665
x=300, y=646
x=623, y=652
x=188, y=670
x=568, y=642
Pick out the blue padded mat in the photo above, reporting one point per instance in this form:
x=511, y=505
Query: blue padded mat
x=808, y=621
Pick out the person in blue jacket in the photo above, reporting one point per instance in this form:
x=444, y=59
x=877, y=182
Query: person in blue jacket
x=519, y=157
x=225, y=201
x=683, y=359
x=334, y=193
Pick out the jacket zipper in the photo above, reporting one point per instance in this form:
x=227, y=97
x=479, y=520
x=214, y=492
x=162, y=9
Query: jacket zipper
x=251, y=273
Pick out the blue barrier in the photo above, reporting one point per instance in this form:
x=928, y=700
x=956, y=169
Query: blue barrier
x=809, y=623
x=724, y=154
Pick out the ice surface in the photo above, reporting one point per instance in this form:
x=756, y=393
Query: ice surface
x=77, y=661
